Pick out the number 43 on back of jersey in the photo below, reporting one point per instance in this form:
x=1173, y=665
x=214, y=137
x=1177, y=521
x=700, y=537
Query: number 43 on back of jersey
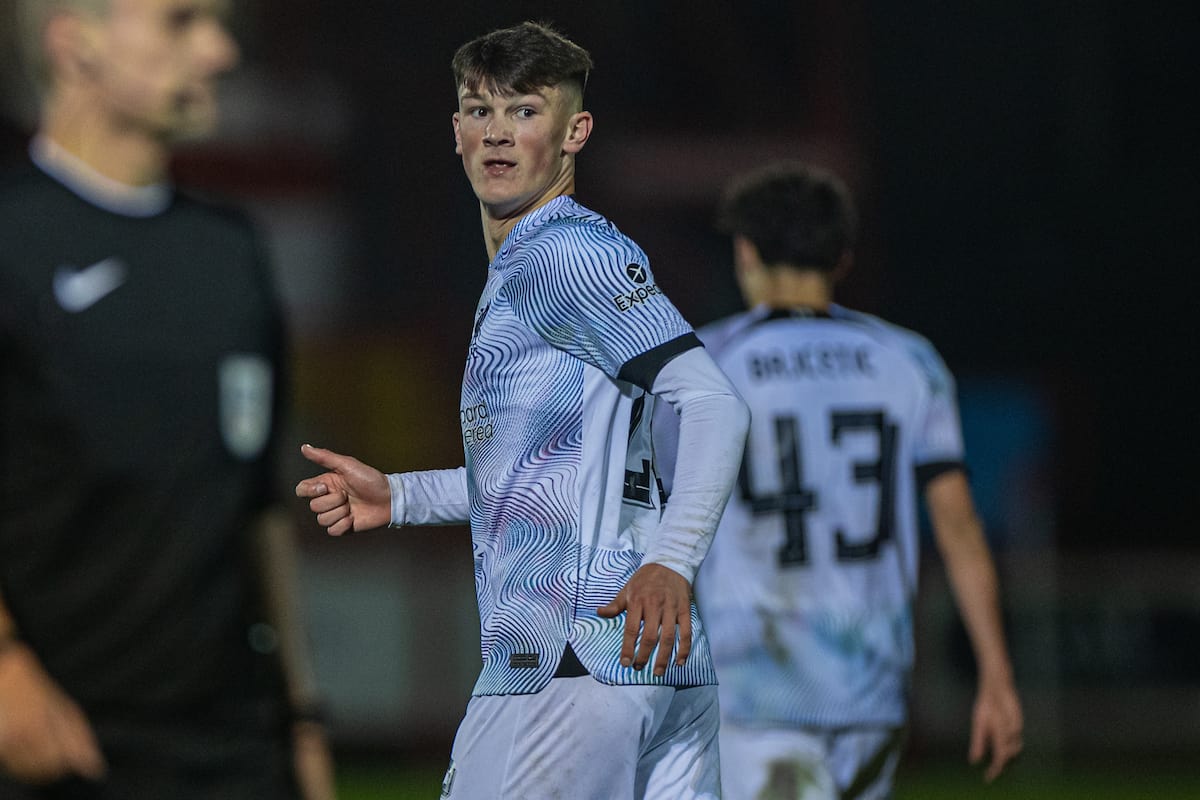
x=794, y=500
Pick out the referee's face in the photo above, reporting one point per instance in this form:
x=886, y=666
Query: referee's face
x=153, y=64
x=518, y=149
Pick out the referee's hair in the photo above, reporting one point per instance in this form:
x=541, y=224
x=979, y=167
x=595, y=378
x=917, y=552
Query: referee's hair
x=795, y=213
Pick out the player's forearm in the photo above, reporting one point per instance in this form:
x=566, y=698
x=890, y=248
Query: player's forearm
x=976, y=591
x=430, y=497
x=713, y=420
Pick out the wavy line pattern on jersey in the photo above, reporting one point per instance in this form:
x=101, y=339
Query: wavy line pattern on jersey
x=529, y=610
x=566, y=294
x=524, y=483
x=597, y=641
x=550, y=320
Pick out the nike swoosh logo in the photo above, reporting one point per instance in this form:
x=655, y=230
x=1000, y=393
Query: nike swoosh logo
x=79, y=289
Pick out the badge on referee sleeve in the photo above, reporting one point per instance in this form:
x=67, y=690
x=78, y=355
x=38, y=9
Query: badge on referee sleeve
x=246, y=386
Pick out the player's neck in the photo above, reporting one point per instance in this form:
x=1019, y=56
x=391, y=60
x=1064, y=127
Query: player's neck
x=128, y=157
x=792, y=288
x=498, y=222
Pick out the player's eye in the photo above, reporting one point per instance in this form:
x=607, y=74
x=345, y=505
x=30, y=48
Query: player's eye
x=478, y=112
x=525, y=112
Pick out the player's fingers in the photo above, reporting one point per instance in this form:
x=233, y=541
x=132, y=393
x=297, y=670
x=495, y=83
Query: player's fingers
x=342, y=526
x=671, y=634
x=999, y=759
x=312, y=487
x=651, y=633
x=1003, y=753
x=684, y=648
x=633, y=627
x=975, y=751
x=330, y=501
x=614, y=608
x=327, y=502
x=619, y=605
x=663, y=658
x=334, y=515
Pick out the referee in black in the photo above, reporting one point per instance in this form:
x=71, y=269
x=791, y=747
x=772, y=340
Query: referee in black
x=147, y=639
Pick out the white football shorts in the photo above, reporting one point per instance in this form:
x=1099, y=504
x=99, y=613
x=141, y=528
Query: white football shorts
x=799, y=764
x=585, y=740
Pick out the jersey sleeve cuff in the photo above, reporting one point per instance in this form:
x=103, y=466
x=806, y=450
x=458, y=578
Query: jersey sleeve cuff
x=396, y=484
x=934, y=469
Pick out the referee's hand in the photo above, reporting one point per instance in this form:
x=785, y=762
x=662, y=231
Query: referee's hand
x=44, y=735
x=657, y=602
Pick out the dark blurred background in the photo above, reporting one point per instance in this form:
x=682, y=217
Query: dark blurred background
x=1026, y=180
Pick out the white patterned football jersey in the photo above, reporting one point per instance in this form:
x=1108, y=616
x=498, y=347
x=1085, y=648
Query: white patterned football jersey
x=568, y=335
x=807, y=589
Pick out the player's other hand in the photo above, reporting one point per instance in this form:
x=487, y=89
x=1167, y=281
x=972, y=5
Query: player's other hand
x=657, y=603
x=350, y=496
x=44, y=735
x=996, y=725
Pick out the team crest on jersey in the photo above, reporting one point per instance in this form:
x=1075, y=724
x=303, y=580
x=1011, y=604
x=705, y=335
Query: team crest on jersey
x=246, y=396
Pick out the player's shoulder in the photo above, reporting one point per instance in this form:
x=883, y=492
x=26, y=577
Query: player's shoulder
x=911, y=344
x=566, y=235
x=718, y=334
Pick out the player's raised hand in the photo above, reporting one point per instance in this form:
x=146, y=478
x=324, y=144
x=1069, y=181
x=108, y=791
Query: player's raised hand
x=350, y=496
x=996, y=724
x=657, y=602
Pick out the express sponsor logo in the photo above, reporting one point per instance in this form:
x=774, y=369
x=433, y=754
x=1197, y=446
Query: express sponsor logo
x=627, y=300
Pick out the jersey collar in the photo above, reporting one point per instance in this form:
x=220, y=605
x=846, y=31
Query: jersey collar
x=97, y=189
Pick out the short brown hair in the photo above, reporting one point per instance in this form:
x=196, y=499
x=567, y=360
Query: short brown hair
x=521, y=59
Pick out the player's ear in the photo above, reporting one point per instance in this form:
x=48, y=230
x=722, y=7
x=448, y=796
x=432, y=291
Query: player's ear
x=749, y=271
x=745, y=254
x=579, y=128
x=457, y=133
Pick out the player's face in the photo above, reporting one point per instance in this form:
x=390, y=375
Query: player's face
x=518, y=149
x=155, y=63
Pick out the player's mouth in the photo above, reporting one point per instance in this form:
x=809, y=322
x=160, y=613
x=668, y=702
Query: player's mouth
x=498, y=166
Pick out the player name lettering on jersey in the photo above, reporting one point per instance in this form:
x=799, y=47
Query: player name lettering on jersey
x=628, y=300
x=815, y=361
x=476, y=425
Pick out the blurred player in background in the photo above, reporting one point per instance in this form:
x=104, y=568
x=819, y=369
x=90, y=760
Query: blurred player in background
x=807, y=591
x=596, y=678
x=145, y=583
